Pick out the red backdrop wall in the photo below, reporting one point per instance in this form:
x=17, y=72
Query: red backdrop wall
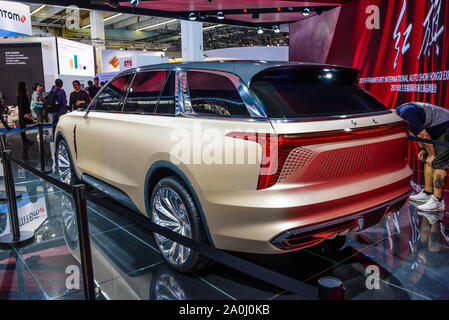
x=374, y=51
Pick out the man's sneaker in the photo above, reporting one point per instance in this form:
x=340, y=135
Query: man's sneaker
x=421, y=197
x=433, y=205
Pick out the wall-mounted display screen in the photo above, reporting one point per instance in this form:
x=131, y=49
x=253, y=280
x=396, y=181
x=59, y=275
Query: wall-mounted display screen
x=75, y=59
x=19, y=62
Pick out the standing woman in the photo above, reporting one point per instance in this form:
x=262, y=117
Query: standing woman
x=23, y=103
x=37, y=101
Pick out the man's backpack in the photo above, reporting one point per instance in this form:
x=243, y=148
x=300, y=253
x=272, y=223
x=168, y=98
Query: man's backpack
x=51, y=101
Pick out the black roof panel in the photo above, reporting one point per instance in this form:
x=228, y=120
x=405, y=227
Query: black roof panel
x=245, y=69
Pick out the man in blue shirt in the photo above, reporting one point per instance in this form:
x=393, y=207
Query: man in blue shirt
x=429, y=122
x=61, y=103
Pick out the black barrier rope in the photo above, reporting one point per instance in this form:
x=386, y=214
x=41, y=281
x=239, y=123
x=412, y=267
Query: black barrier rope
x=434, y=142
x=303, y=290
x=12, y=133
x=40, y=174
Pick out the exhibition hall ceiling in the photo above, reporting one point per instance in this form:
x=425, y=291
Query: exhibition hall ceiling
x=284, y=11
x=155, y=25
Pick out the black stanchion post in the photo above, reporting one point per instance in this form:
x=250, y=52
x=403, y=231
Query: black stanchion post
x=330, y=288
x=84, y=242
x=15, y=237
x=41, y=147
x=3, y=141
x=3, y=195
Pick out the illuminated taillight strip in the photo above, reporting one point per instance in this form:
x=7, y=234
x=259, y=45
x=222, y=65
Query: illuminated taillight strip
x=276, y=148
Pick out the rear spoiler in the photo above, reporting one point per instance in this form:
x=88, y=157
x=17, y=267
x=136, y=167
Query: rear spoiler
x=310, y=74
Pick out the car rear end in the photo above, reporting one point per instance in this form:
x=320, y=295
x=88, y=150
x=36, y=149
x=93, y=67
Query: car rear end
x=336, y=163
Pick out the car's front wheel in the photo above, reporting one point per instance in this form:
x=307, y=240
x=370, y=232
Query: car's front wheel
x=173, y=207
x=64, y=163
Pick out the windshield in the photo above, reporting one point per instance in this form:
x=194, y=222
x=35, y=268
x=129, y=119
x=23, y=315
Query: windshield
x=310, y=92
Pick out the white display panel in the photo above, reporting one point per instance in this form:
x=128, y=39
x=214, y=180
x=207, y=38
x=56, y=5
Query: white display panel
x=75, y=59
x=15, y=19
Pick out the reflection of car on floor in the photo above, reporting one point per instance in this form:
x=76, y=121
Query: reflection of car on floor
x=329, y=158
x=118, y=274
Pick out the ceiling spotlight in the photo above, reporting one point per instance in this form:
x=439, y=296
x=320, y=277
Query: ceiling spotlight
x=306, y=12
x=260, y=30
x=220, y=15
x=192, y=16
x=135, y=3
x=276, y=29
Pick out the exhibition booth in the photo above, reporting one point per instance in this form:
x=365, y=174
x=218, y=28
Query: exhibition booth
x=235, y=150
x=46, y=59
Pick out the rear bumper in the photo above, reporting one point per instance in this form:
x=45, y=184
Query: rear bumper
x=260, y=221
x=304, y=237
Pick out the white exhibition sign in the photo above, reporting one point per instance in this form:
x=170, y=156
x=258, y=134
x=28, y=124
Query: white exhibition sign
x=31, y=216
x=15, y=19
x=75, y=58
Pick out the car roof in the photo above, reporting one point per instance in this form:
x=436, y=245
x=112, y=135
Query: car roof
x=245, y=69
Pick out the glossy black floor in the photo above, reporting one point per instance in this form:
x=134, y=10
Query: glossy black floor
x=410, y=249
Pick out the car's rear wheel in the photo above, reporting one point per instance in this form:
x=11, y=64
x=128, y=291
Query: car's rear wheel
x=173, y=207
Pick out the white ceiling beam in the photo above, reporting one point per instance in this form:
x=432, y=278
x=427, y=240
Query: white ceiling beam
x=158, y=25
x=48, y=12
x=126, y=22
x=144, y=23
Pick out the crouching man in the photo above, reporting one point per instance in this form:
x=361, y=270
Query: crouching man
x=429, y=122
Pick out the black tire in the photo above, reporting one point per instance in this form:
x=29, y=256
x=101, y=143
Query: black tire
x=73, y=178
x=194, y=261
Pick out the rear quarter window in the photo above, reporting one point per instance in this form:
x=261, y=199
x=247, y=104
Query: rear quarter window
x=213, y=94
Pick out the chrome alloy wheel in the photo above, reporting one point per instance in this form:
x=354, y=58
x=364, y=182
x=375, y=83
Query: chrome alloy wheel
x=169, y=211
x=64, y=168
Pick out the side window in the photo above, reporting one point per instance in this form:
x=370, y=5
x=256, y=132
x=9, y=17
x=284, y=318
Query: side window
x=110, y=97
x=213, y=94
x=144, y=92
x=166, y=103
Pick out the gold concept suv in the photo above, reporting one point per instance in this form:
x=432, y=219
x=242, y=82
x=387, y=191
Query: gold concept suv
x=249, y=156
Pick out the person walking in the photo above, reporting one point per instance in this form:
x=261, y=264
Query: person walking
x=79, y=99
x=57, y=100
x=23, y=103
x=2, y=111
x=431, y=122
x=37, y=101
